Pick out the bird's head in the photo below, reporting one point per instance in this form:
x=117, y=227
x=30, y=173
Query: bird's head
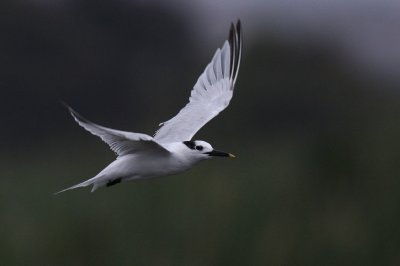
x=203, y=150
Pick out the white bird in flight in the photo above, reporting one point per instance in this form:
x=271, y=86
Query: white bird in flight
x=171, y=150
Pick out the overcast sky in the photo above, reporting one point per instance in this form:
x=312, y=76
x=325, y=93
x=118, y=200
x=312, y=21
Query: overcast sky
x=363, y=33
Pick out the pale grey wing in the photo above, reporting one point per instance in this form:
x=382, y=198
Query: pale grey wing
x=120, y=142
x=210, y=95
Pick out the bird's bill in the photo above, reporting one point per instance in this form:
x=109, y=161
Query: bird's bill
x=220, y=154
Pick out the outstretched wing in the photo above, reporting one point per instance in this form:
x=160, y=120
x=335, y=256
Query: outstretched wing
x=120, y=142
x=211, y=93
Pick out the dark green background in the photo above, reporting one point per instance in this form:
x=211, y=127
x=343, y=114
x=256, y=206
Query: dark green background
x=316, y=179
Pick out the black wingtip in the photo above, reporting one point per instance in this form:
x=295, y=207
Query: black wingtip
x=68, y=107
x=239, y=46
x=235, y=42
x=239, y=24
x=65, y=104
x=232, y=42
x=239, y=32
x=75, y=114
x=232, y=31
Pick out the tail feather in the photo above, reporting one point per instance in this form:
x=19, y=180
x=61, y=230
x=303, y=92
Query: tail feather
x=83, y=184
x=97, y=186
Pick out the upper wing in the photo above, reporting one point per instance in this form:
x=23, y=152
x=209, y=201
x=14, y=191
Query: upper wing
x=211, y=93
x=120, y=142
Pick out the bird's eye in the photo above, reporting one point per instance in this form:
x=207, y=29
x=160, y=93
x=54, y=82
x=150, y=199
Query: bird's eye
x=199, y=148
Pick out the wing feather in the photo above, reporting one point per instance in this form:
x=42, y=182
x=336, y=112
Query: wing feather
x=121, y=142
x=210, y=95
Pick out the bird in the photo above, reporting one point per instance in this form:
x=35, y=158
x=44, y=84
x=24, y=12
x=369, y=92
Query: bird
x=171, y=150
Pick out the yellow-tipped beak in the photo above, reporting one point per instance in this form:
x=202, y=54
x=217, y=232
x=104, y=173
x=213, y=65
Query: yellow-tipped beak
x=220, y=153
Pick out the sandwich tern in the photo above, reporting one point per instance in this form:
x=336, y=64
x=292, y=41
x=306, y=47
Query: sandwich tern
x=171, y=150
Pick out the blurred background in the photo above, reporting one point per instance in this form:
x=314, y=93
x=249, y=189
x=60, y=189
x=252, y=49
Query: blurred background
x=314, y=122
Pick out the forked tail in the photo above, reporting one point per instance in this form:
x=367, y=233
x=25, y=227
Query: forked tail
x=83, y=184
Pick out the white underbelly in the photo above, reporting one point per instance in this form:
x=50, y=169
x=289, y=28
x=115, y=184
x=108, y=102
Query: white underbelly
x=138, y=166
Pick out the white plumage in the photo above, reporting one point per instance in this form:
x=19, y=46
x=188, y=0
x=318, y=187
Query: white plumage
x=171, y=150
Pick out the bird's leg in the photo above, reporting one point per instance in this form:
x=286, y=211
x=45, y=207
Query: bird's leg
x=113, y=182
